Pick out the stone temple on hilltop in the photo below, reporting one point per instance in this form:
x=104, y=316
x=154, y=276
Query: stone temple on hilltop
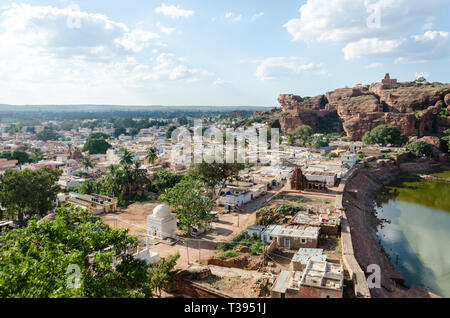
x=162, y=223
x=389, y=83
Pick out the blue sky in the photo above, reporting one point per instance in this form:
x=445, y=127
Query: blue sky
x=219, y=52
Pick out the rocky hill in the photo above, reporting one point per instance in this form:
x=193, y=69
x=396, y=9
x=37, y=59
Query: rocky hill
x=417, y=109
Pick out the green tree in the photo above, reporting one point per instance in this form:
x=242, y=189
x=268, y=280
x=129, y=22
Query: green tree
x=36, y=155
x=119, y=131
x=421, y=79
x=21, y=156
x=48, y=133
x=151, y=155
x=216, y=175
x=134, y=132
x=302, y=133
x=447, y=137
x=192, y=204
x=96, y=146
x=163, y=274
x=319, y=142
x=25, y=193
x=420, y=148
x=163, y=179
x=170, y=131
x=126, y=158
x=89, y=187
x=37, y=260
x=384, y=135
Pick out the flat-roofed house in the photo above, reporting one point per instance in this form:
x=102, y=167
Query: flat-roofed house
x=7, y=164
x=302, y=257
x=322, y=279
x=292, y=237
x=97, y=203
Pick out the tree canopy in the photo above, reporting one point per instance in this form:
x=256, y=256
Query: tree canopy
x=216, y=175
x=25, y=193
x=384, y=135
x=164, y=179
x=191, y=202
x=96, y=144
x=48, y=133
x=40, y=260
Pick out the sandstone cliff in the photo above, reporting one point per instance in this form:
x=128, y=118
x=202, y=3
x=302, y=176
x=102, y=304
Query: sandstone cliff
x=416, y=109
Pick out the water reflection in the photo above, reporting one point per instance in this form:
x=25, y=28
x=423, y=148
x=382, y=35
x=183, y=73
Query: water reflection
x=418, y=235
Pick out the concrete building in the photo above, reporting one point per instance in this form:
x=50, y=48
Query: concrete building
x=348, y=160
x=322, y=279
x=7, y=164
x=302, y=257
x=287, y=285
x=291, y=237
x=97, y=203
x=162, y=223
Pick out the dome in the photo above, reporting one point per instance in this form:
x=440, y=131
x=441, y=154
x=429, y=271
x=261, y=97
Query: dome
x=161, y=211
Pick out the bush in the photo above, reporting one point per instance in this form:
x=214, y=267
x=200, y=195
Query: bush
x=384, y=135
x=230, y=254
x=420, y=148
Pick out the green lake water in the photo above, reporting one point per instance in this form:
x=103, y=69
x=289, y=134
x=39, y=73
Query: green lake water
x=418, y=235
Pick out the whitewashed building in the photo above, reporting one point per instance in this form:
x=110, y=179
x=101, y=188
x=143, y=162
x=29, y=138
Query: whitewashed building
x=162, y=223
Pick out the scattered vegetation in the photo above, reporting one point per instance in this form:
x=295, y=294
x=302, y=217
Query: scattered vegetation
x=384, y=135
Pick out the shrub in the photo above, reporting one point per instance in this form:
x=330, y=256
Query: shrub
x=384, y=135
x=420, y=148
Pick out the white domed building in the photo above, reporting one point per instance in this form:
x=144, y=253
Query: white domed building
x=162, y=223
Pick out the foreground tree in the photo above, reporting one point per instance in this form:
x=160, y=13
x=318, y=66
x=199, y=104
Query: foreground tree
x=384, y=135
x=163, y=275
x=191, y=202
x=25, y=193
x=46, y=258
x=216, y=175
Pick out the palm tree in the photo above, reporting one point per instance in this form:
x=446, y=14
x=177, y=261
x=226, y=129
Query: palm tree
x=126, y=158
x=86, y=163
x=152, y=155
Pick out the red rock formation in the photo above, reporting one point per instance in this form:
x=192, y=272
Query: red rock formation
x=413, y=108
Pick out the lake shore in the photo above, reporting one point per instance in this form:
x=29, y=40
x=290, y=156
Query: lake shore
x=359, y=201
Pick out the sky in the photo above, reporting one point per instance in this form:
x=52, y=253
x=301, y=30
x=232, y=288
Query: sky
x=213, y=53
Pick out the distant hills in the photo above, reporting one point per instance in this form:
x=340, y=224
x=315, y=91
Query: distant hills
x=124, y=108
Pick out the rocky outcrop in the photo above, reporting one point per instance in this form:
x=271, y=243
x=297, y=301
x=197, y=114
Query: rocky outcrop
x=413, y=108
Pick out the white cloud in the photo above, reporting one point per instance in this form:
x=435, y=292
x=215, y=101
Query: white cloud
x=164, y=29
x=221, y=82
x=230, y=15
x=347, y=20
x=374, y=65
x=47, y=29
x=42, y=56
x=288, y=67
x=350, y=23
x=174, y=12
x=257, y=15
x=417, y=48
